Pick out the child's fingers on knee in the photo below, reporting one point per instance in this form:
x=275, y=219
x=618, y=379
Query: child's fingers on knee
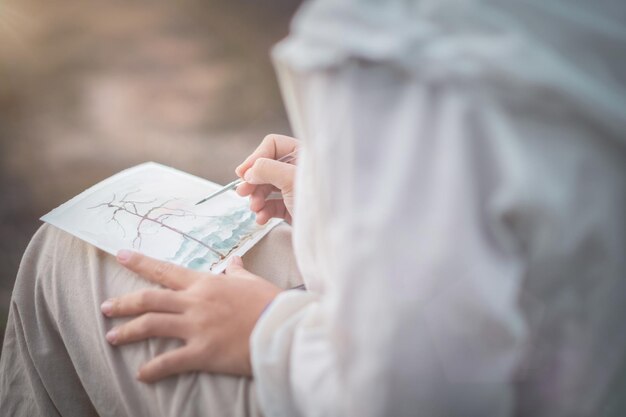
x=169, y=363
x=146, y=326
x=160, y=272
x=161, y=300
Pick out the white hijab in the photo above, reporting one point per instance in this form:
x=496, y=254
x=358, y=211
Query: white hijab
x=560, y=46
x=459, y=217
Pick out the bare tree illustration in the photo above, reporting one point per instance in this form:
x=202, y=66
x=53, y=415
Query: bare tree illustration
x=155, y=214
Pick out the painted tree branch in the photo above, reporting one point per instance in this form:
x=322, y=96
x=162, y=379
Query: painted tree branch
x=130, y=207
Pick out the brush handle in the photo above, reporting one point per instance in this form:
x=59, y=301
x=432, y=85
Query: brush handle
x=288, y=158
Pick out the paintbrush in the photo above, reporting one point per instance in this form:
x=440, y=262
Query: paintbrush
x=290, y=157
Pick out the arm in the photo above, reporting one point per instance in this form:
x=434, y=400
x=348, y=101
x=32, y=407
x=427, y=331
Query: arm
x=421, y=274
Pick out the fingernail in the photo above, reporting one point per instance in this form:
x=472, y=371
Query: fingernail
x=124, y=255
x=107, y=307
x=111, y=336
x=248, y=175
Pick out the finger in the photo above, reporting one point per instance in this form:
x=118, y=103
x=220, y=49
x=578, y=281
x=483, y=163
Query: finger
x=269, y=171
x=245, y=189
x=183, y=359
x=272, y=147
x=166, y=301
x=146, y=326
x=257, y=199
x=235, y=264
x=236, y=261
x=236, y=268
x=163, y=273
x=272, y=208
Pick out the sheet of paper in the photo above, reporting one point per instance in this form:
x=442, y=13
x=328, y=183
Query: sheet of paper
x=150, y=208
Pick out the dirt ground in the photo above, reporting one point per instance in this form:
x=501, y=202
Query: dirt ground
x=90, y=88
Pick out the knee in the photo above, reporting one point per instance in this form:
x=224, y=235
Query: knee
x=48, y=245
x=48, y=250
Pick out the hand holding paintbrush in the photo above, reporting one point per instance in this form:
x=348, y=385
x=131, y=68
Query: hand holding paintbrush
x=268, y=169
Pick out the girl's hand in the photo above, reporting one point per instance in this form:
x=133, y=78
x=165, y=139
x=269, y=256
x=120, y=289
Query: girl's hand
x=264, y=174
x=213, y=314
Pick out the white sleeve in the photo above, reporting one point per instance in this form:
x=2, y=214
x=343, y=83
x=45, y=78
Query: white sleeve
x=409, y=182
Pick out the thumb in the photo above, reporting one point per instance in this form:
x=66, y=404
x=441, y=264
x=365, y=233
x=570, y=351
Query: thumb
x=235, y=264
x=270, y=171
x=236, y=268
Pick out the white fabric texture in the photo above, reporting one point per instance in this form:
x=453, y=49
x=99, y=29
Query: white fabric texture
x=459, y=216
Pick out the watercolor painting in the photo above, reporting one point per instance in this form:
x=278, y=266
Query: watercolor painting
x=151, y=209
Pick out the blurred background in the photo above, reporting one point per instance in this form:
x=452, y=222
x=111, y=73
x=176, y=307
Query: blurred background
x=90, y=88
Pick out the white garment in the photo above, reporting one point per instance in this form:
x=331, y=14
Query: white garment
x=460, y=211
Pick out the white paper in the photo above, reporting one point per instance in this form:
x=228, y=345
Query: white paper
x=151, y=209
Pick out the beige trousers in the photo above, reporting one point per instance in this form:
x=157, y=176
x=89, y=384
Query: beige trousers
x=56, y=361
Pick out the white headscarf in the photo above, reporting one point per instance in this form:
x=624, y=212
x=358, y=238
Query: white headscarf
x=557, y=46
x=459, y=217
